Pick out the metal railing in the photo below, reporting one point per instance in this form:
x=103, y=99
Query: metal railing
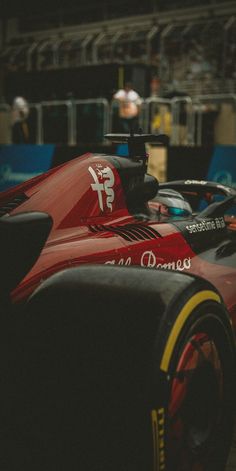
x=72, y=122
x=69, y=121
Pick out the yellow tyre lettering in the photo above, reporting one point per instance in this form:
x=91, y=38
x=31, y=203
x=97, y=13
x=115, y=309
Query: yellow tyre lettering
x=184, y=314
x=158, y=433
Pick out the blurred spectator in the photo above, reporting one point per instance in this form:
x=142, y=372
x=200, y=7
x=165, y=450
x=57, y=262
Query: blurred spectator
x=129, y=108
x=162, y=121
x=20, y=128
x=155, y=86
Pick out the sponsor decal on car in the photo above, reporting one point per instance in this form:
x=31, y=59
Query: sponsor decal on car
x=212, y=225
x=121, y=261
x=197, y=182
x=149, y=260
x=103, y=184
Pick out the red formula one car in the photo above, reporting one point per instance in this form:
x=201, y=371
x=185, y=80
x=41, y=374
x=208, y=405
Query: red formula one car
x=110, y=365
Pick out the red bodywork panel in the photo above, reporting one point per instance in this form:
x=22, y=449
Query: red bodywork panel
x=92, y=224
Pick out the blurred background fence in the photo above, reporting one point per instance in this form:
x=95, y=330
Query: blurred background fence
x=200, y=120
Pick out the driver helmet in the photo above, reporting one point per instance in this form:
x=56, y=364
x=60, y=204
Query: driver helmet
x=172, y=203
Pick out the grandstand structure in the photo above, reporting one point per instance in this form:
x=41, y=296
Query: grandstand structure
x=194, y=47
x=89, y=53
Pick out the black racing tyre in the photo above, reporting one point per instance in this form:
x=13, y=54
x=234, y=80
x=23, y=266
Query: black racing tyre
x=196, y=413
x=125, y=369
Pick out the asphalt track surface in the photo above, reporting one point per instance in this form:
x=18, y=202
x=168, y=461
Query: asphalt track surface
x=231, y=464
